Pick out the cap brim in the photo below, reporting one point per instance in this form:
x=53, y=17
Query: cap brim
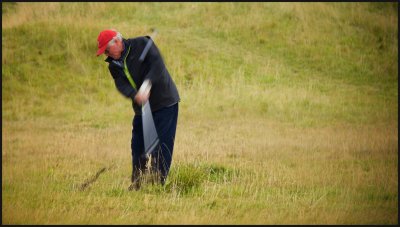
x=101, y=50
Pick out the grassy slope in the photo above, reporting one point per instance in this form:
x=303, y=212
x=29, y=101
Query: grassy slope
x=288, y=110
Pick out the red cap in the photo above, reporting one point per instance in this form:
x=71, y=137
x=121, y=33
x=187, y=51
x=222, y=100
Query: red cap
x=104, y=37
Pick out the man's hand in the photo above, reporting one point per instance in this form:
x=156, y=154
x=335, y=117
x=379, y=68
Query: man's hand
x=141, y=98
x=144, y=93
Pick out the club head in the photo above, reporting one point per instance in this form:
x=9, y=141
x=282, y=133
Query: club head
x=153, y=30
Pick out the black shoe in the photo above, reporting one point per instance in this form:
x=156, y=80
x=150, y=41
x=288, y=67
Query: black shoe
x=163, y=179
x=135, y=179
x=135, y=185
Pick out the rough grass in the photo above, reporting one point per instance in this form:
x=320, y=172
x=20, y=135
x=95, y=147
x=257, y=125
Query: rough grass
x=289, y=114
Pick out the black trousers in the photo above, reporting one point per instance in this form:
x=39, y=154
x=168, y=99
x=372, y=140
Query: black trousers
x=165, y=121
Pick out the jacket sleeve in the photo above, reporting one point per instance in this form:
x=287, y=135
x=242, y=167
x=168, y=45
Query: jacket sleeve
x=121, y=82
x=155, y=63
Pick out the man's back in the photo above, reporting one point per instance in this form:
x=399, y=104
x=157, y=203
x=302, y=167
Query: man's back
x=164, y=92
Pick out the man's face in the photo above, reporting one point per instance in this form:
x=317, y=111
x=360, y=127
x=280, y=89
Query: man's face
x=114, y=51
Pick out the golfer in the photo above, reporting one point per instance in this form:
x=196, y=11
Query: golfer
x=129, y=73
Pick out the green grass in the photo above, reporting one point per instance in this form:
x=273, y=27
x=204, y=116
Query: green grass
x=288, y=114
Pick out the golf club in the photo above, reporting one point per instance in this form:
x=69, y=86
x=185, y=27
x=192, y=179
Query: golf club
x=148, y=45
x=150, y=135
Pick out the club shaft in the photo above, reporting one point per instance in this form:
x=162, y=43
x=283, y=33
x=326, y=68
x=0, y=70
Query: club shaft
x=147, y=47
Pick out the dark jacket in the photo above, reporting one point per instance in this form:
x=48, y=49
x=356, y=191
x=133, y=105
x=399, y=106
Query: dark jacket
x=163, y=92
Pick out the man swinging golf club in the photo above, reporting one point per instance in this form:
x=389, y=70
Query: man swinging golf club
x=134, y=63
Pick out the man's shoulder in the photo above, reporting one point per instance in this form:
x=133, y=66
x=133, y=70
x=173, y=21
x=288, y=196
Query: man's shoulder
x=139, y=39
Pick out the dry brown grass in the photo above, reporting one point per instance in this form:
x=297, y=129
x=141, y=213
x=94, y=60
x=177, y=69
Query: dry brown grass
x=286, y=175
x=288, y=114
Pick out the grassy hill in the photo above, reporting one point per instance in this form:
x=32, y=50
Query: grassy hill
x=288, y=110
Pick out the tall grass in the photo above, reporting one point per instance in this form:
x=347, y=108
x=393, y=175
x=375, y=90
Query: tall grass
x=288, y=114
